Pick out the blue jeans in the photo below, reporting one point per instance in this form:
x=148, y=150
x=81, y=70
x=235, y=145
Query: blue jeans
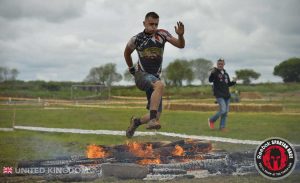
x=223, y=110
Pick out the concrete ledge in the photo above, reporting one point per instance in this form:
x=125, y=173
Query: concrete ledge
x=124, y=170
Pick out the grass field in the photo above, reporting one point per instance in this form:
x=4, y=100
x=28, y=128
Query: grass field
x=241, y=125
x=28, y=145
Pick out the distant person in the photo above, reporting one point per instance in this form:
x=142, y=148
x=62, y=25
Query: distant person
x=149, y=45
x=221, y=83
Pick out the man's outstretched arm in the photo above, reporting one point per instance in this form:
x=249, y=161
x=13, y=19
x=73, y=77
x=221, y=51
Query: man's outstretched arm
x=178, y=42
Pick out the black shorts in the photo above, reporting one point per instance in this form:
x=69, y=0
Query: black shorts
x=144, y=82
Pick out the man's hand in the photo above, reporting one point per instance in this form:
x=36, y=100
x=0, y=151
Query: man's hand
x=132, y=70
x=234, y=79
x=214, y=70
x=179, y=29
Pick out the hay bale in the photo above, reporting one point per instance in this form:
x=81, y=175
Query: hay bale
x=250, y=95
x=191, y=107
x=233, y=107
x=256, y=107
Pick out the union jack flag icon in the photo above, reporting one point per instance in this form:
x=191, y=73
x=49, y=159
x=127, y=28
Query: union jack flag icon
x=7, y=170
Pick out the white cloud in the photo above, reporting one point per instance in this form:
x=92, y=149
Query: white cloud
x=53, y=11
x=64, y=39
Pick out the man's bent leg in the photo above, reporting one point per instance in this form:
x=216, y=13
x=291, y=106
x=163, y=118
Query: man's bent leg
x=155, y=102
x=146, y=118
x=136, y=122
x=158, y=88
x=154, y=89
x=155, y=99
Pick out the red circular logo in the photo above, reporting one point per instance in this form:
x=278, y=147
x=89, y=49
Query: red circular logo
x=275, y=158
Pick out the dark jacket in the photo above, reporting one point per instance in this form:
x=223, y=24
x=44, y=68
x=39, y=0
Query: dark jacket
x=221, y=83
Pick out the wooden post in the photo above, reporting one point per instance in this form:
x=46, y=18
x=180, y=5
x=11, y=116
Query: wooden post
x=14, y=117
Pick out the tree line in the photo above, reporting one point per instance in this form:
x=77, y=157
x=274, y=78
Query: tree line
x=177, y=73
x=7, y=74
x=181, y=70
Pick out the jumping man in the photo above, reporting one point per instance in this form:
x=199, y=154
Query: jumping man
x=149, y=45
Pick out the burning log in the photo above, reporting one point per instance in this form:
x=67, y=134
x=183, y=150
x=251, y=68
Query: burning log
x=190, y=144
x=152, y=152
x=180, y=149
x=187, y=145
x=185, y=158
x=163, y=151
x=173, y=144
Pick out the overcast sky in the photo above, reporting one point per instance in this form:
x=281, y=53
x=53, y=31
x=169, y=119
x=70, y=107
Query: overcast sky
x=61, y=40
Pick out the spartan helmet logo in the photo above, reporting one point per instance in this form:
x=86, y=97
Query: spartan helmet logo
x=275, y=158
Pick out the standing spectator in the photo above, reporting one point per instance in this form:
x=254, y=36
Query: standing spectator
x=221, y=83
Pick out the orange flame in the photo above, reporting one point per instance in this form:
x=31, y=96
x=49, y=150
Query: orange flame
x=140, y=150
x=143, y=151
x=149, y=161
x=94, y=151
x=178, y=151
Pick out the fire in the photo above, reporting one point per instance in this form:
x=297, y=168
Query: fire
x=149, y=161
x=143, y=151
x=94, y=151
x=178, y=151
x=151, y=153
x=140, y=150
